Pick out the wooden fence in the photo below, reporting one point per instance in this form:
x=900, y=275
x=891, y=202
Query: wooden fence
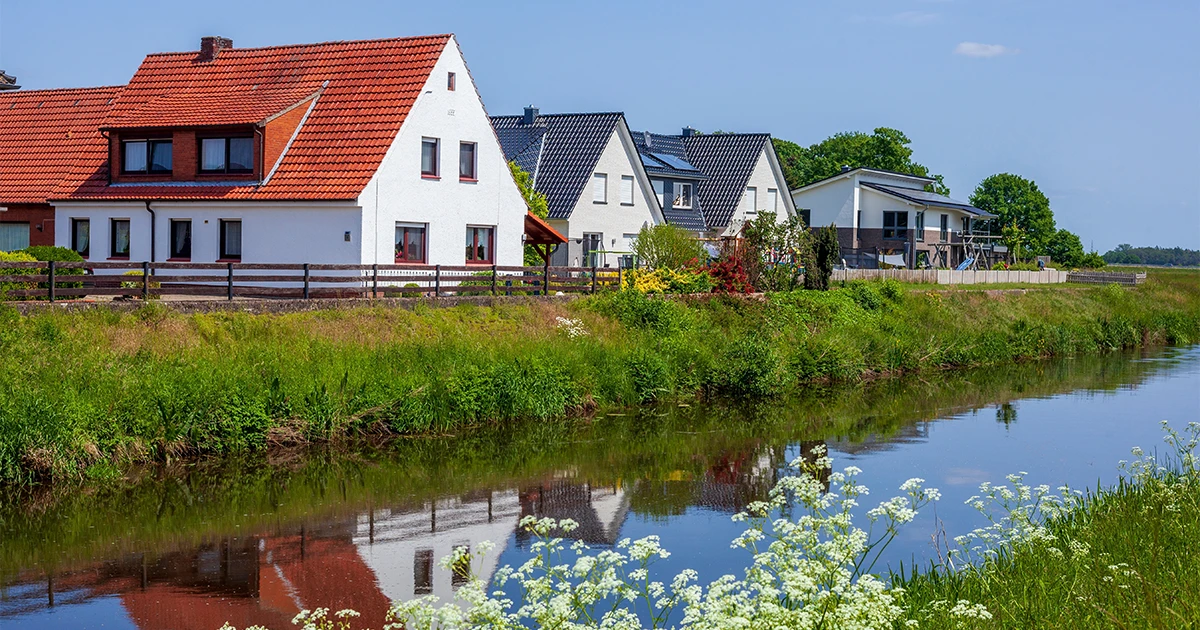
x=72, y=280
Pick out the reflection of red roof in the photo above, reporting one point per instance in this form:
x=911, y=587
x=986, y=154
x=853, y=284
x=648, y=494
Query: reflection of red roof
x=43, y=134
x=329, y=573
x=238, y=106
x=371, y=87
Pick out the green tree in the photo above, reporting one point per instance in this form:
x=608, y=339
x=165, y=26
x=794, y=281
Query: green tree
x=885, y=148
x=537, y=206
x=822, y=255
x=774, y=251
x=667, y=247
x=1065, y=249
x=1014, y=199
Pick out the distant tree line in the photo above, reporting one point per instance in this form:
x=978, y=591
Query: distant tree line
x=1126, y=254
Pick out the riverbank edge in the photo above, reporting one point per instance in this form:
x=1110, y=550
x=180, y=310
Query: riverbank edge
x=745, y=369
x=1124, y=554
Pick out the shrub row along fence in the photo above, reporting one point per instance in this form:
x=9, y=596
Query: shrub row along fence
x=72, y=280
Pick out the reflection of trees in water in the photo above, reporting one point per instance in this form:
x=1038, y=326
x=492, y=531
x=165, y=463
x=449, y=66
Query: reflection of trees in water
x=1006, y=413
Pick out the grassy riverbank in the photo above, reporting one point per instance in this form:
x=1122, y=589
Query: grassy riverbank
x=93, y=390
x=1125, y=558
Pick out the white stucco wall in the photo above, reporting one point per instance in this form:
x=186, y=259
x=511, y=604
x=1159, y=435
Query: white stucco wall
x=612, y=219
x=832, y=202
x=398, y=193
x=271, y=232
x=764, y=178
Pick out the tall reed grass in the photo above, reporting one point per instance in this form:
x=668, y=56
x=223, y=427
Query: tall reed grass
x=110, y=388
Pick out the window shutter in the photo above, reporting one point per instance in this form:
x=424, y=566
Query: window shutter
x=772, y=200
x=660, y=189
x=600, y=188
x=751, y=199
x=627, y=190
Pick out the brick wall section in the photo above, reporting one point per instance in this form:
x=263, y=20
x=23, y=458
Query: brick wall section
x=184, y=155
x=34, y=214
x=278, y=132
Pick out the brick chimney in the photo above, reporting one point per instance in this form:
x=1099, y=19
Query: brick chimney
x=210, y=46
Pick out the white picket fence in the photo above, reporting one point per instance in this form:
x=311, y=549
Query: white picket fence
x=949, y=276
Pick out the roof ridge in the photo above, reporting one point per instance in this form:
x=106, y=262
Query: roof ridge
x=95, y=88
x=307, y=45
x=540, y=115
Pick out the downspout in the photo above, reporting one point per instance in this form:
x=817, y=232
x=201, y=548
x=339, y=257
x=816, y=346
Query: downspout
x=152, y=224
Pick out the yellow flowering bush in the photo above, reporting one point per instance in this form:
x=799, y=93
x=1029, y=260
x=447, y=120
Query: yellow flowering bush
x=663, y=280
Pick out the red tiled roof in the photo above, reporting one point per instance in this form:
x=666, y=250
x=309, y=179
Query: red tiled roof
x=371, y=87
x=44, y=134
x=237, y=106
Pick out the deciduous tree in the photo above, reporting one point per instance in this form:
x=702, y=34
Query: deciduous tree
x=885, y=148
x=1014, y=199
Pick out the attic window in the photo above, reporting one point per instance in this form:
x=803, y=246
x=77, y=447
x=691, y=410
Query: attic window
x=450, y=81
x=227, y=155
x=146, y=156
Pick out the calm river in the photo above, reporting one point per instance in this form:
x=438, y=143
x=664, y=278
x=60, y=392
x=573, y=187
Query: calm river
x=255, y=541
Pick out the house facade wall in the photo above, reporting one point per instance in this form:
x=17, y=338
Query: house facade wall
x=831, y=203
x=38, y=216
x=272, y=232
x=446, y=205
x=764, y=178
x=617, y=222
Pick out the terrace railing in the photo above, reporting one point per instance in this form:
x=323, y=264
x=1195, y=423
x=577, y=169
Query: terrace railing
x=74, y=280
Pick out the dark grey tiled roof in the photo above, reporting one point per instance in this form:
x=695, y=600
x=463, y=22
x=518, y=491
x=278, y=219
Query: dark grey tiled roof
x=522, y=145
x=929, y=198
x=650, y=143
x=727, y=159
x=571, y=146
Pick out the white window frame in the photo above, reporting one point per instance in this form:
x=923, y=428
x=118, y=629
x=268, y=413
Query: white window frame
x=599, y=187
x=750, y=196
x=677, y=194
x=660, y=190
x=773, y=199
x=627, y=190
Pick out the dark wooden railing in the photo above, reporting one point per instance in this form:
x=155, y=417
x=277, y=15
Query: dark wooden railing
x=73, y=280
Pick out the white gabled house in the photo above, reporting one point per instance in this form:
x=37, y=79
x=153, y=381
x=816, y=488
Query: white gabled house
x=598, y=195
x=890, y=217
x=714, y=183
x=359, y=152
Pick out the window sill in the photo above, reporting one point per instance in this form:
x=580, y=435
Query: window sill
x=480, y=263
x=469, y=180
x=600, y=203
x=424, y=176
x=179, y=260
x=229, y=260
x=628, y=205
x=118, y=258
x=410, y=262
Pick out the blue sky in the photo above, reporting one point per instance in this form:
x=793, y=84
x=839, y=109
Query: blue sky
x=1098, y=102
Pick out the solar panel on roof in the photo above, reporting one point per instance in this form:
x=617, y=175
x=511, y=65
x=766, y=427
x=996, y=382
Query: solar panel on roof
x=674, y=162
x=650, y=162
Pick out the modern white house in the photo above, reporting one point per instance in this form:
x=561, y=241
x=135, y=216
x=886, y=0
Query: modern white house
x=598, y=194
x=723, y=179
x=343, y=152
x=890, y=217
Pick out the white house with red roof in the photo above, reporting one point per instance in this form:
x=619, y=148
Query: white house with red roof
x=354, y=152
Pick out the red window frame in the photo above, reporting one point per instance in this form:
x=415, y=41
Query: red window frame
x=402, y=253
x=472, y=244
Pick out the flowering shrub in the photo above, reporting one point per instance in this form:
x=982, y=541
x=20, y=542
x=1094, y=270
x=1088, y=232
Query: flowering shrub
x=662, y=280
x=810, y=570
x=730, y=276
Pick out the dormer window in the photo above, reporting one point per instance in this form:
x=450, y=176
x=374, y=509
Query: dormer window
x=146, y=156
x=227, y=155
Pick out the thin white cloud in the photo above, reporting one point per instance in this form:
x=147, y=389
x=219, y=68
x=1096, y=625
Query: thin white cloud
x=975, y=49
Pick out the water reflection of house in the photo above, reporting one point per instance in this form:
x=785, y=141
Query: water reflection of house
x=403, y=547
x=599, y=510
x=905, y=434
